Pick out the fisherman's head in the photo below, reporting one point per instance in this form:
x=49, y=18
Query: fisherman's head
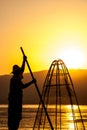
x=17, y=71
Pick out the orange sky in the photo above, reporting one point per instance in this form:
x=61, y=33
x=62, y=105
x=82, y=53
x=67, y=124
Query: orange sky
x=46, y=29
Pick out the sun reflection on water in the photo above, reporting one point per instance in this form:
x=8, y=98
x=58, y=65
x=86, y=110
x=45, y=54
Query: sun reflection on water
x=71, y=126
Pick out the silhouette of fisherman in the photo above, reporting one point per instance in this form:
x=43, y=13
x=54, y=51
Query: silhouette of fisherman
x=16, y=95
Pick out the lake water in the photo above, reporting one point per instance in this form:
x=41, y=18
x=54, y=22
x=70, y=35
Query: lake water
x=29, y=113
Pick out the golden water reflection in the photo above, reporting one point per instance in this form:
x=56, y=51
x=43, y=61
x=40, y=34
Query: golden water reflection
x=68, y=117
x=29, y=114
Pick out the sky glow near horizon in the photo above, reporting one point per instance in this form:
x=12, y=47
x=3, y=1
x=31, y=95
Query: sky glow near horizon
x=47, y=30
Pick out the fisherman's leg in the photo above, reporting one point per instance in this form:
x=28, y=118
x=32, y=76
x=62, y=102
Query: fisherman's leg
x=13, y=124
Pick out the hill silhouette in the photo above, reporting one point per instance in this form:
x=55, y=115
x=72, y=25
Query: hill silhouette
x=79, y=78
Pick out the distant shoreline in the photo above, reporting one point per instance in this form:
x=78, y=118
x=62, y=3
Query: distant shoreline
x=79, y=78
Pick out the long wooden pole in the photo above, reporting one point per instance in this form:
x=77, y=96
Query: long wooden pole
x=38, y=91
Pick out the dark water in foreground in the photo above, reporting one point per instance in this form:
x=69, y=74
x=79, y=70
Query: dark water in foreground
x=29, y=113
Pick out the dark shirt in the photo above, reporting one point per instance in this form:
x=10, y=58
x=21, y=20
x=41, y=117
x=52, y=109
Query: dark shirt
x=15, y=97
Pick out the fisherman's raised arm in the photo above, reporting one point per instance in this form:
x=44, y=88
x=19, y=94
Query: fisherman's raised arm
x=23, y=63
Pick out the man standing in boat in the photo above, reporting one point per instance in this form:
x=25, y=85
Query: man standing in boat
x=16, y=95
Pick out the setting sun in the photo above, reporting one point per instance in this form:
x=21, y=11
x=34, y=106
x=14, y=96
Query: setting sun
x=73, y=57
x=47, y=30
